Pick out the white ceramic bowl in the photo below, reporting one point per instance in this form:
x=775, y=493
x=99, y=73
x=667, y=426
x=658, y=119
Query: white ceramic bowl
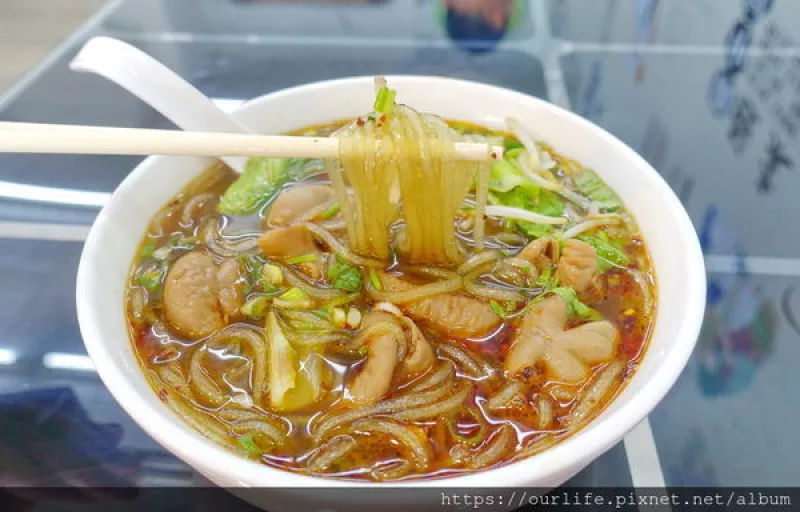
x=665, y=225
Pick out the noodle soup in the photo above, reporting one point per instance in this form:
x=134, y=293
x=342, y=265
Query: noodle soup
x=395, y=314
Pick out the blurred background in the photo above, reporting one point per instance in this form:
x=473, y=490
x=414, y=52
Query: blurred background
x=708, y=92
x=31, y=29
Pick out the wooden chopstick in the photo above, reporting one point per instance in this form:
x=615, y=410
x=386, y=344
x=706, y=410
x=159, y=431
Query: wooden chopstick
x=91, y=140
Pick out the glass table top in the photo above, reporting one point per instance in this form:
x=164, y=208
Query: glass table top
x=708, y=92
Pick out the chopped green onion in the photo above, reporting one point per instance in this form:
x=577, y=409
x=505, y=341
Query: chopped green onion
x=247, y=442
x=151, y=277
x=547, y=279
x=303, y=258
x=271, y=277
x=181, y=241
x=384, y=102
x=339, y=317
x=476, y=438
x=294, y=298
x=375, y=280
x=319, y=313
x=340, y=301
x=147, y=249
x=252, y=267
x=294, y=294
x=255, y=307
x=330, y=211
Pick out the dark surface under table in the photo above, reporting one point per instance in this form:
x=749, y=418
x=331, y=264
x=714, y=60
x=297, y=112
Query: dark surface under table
x=708, y=92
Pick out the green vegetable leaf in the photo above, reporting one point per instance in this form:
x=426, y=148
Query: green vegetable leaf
x=534, y=230
x=511, y=144
x=590, y=185
x=548, y=203
x=504, y=176
x=298, y=169
x=513, y=154
x=344, y=276
x=575, y=307
x=609, y=253
x=282, y=362
x=261, y=179
x=384, y=102
x=510, y=188
x=519, y=198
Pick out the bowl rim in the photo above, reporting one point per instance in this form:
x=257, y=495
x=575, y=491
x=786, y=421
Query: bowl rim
x=199, y=452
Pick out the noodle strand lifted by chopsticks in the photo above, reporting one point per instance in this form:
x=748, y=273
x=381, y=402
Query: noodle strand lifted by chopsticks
x=415, y=154
x=371, y=176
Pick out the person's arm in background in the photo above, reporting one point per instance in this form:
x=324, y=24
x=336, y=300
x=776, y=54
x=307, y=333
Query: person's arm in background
x=477, y=26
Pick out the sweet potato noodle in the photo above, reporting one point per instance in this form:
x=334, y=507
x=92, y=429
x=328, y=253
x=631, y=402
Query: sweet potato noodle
x=396, y=313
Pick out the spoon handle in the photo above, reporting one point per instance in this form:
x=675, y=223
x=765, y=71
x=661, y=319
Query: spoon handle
x=159, y=87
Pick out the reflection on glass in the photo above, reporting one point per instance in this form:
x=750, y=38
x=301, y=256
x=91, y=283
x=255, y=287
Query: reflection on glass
x=8, y=356
x=53, y=456
x=64, y=361
x=23, y=192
